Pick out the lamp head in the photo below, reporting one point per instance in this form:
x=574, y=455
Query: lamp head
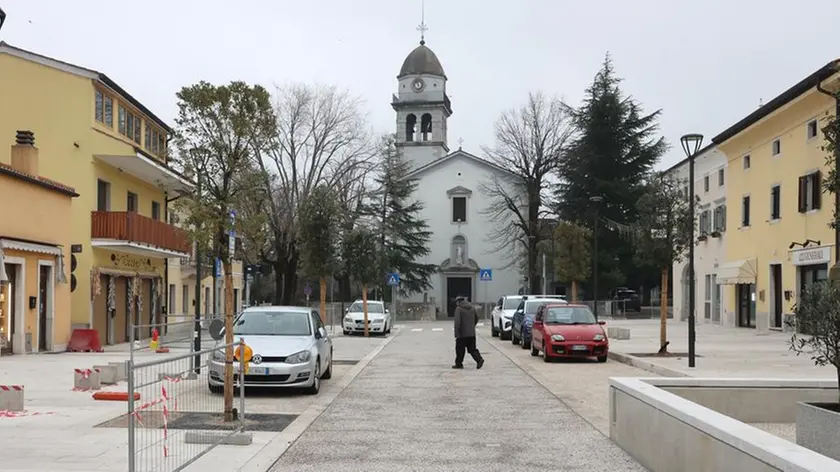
x=596, y=199
x=691, y=143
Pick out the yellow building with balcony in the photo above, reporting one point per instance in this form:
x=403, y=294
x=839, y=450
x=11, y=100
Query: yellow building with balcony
x=779, y=239
x=95, y=137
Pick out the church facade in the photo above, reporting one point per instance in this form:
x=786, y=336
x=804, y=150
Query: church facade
x=449, y=185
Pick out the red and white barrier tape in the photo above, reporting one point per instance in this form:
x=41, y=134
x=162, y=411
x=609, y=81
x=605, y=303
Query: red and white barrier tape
x=174, y=397
x=18, y=414
x=84, y=372
x=165, y=421
x=9, y=388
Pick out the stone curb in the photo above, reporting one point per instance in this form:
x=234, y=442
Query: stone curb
x=266, y=457
x=645, y=365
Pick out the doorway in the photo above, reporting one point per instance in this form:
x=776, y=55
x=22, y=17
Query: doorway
x=457, y=287
x=44, y=307
x=746, y=305
x=776, y=294
x=8, y=317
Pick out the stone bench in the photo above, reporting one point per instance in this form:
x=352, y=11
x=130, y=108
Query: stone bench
x=618, y=333
x=11, y=397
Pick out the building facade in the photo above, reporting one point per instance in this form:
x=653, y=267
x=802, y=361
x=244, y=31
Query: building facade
x=34, y=244
x=778, y=239
x=97, y=138
x=710, y=174
x=449, y=185
x=181, y=295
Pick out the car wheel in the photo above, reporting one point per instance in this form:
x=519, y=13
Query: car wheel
x=493, y=331
x=502, y=335
x=388, y=329
x=316, y=382
x=328, y=374
x=526, y=343
x=513, y=338
x=217, y=389
x=602, y=358
x=534, y=351
x=545, y=356
x=346, y=333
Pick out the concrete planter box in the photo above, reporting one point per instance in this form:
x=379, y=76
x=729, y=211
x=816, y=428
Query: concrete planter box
x=818, y=428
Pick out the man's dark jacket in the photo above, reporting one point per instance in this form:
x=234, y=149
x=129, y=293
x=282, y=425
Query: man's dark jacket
x=465, y=320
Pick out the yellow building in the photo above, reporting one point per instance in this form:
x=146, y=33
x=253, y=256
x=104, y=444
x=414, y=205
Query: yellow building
x=97, y=138
x=34, y=290
x=778, y=240
x=182, y=288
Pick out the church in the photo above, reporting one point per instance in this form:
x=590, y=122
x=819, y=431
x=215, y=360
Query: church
x=449, y=185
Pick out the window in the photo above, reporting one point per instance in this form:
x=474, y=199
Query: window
x=154, y=139
x=185, y=299
x=459, y=209
x=708, y=305
x=156, y=211
x=129, y=125
x=719, y=224
x=121, y=121
x=811, y=129
x=720, y=178
x=777, y=147
x=810, y=192
x=109, y=112
x=706, y=183
x=131, y=202
x=745, y=211
x=705, y=222
x=103, y=196
x=170, y=304
x=775, y=202
x=746, y=162
x=98, y=105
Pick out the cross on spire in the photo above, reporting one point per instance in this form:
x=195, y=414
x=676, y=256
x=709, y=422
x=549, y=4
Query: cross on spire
x=460, y=143
x=422, y=28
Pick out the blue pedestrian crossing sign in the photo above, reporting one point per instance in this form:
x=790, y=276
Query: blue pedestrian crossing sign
x=393, y=279
x=485, y=275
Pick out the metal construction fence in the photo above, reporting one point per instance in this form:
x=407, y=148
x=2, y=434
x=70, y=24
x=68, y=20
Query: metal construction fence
x=173, y=417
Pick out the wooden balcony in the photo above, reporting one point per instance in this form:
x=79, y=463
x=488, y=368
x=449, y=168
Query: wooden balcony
x=134, y=228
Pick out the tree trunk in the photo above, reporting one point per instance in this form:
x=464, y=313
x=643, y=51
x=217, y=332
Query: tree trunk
x=533, y=278
x=574, y=291
x=279, y=269
x=290, y=279
x=228, y=389
x=365, y=309
x=324, y=299
x=663, y=312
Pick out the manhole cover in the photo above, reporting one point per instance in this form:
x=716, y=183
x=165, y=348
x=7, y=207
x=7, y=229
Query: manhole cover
x=344, y=362
x=656, y=354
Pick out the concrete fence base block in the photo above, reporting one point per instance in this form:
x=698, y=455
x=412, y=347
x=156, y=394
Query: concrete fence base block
x=86, y=379
x=11, y=397
x=218, y=437
x=191, y=376
x=621, y=334
x=107, y=374
x=165, y=376
x=122, y=372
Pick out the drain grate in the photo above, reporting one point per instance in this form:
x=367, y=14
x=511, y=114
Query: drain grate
x=344, y=362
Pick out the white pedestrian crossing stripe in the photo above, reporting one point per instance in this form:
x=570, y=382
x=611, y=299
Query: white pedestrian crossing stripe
x=416, y=329
x=437, y=329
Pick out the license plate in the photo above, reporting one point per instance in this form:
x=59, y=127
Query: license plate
x=580, y=348
x=258, y=370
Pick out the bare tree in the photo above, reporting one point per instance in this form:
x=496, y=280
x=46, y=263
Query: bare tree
x=530, y=145
x=320, y=137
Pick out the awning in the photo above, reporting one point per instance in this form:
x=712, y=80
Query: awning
x=149, y=171
x=3, y=276
x=138, y=249
x=24, y=246
x=737, y=272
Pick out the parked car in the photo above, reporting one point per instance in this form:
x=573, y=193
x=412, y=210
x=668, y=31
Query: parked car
x=502, y=315
x=563, y=330
x=379, y=318
x=523, y=318
x=627, y=300
x=290, y=348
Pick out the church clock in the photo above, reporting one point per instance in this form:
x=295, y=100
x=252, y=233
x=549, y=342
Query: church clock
x=418, y=85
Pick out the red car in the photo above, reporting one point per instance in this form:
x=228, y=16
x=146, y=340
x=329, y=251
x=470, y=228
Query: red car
x=568, y=331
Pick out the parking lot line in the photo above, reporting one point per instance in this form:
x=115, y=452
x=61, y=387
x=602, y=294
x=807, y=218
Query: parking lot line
x=433, y=329
x=416, y=329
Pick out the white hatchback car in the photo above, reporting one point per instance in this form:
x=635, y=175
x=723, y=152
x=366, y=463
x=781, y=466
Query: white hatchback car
x=379, y=318
x=290, y=348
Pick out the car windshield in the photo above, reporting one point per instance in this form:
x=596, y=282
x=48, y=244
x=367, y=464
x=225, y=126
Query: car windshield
x=531, y=307
x=372, y=307
x=569, y=315
x=511, y=303
x=273, y=323
x=626, y=294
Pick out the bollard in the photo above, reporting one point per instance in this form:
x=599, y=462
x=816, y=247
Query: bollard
x=122, y=374
x=107, y=374
x=86, y=379
x=11, y=397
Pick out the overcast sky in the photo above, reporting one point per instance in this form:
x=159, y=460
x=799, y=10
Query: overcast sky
x=706, y=64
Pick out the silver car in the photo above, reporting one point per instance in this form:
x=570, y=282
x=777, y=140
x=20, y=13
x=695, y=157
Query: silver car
x=290, y=345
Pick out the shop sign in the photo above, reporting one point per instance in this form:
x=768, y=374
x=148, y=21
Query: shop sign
x=811, y=256
x=131, y=262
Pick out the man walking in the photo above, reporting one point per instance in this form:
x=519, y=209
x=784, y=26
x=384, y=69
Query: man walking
x=466, y=317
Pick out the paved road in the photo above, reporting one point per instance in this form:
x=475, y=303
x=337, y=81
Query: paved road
x=408, y=411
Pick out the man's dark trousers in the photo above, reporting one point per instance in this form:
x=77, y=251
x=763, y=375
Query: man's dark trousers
x=463, y=345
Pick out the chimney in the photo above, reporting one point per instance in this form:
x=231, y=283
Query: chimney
x=24, y=153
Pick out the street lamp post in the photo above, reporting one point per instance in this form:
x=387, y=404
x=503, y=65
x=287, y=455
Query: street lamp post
x=597, y=201
x=691, y=145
